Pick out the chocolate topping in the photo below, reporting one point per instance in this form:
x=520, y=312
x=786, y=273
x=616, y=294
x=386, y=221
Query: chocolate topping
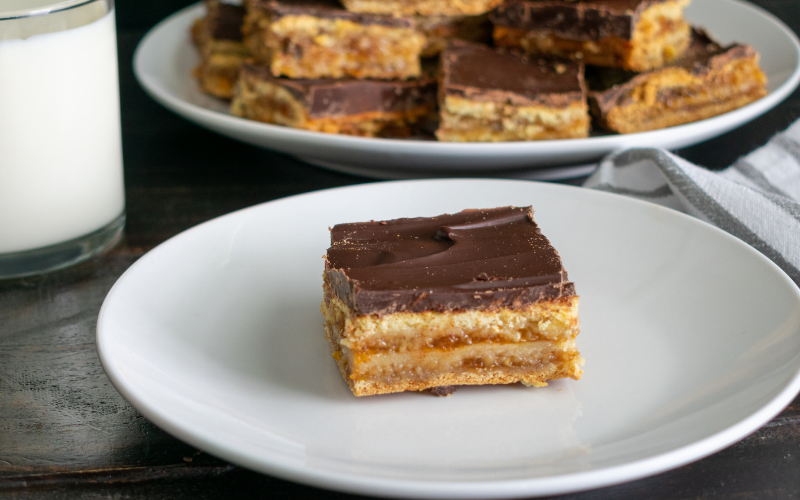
x=705, y=53
x=327, y=9
x=334, y=97
x=224, y=21
x=475, y=259
x=479, y=73
x=610, y=87
x=583, y=20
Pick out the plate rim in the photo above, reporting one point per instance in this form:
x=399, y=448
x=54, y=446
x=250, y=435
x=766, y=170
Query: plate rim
x=393, y=487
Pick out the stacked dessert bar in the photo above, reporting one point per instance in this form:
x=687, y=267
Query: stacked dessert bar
x=360, y=70
x=707, y=80
x=486, y=70
x=646, y=67
x=218, y=37
x=473, y=298
x=491, y=95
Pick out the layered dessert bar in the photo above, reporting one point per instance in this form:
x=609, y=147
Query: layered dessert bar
x=477, y=297
x=422, y=7
x=440, y=30
x=319, y=39
x=370, y=108
x=493, y=95
x=637, y=35
x=218, y=37
x=707, y=81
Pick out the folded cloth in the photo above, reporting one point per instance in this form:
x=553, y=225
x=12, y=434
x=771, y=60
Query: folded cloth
x=757, y=199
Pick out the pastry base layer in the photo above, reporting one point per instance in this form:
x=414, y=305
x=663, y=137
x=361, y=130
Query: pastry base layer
x=265, y=101
x=416, y=351
x=464, y=120
x=422, y=7
x=660, y=37
x=303, y=46
x=675, y=96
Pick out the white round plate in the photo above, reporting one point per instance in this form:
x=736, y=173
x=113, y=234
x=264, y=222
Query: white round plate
x=165, y=59
x=691, y=340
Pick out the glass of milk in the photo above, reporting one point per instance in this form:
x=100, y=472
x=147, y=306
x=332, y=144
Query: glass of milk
x=62, y=198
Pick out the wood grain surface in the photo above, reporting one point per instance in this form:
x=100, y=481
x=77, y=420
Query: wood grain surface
x=66, y=433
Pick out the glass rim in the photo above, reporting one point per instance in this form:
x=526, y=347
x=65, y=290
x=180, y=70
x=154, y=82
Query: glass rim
x=49, y=8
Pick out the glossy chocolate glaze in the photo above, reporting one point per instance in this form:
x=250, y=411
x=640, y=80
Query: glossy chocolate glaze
x=326, y=9
x=475, y=259
x=583, y=20
x=480, y=73
x=330, y=98
x=225, y=21
x=611, y=87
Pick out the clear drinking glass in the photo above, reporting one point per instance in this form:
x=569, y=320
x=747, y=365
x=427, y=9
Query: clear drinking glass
x=62, y=198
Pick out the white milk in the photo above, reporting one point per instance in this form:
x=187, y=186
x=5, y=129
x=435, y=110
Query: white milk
x=60, y=146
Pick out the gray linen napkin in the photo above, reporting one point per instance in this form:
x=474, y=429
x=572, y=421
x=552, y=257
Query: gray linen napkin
x=757, y=199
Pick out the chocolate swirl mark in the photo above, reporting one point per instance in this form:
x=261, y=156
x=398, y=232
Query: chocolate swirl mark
x=477, y=250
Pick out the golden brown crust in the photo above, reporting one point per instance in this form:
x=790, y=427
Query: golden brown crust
x=305, y=46
x=422, y=7
x=371, y=388
x=531, y=346
x=463, y=120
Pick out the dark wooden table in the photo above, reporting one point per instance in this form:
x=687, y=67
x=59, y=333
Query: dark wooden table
x=66, y=433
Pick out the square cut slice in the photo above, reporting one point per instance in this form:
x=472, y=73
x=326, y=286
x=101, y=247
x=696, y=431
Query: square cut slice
x=367, y=108
x=320, y=39
x=218, y=37
x=637, y=35
x=488, y=95
x=473, y=298
x=706, y=81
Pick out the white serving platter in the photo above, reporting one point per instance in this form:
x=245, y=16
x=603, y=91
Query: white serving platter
x=691, y=340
